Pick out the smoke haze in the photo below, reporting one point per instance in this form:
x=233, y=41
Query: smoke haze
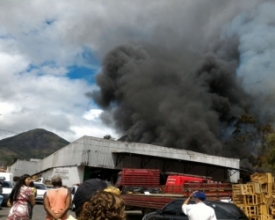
x=196, y=72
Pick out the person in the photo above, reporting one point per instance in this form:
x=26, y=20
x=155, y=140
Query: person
x=95, y=200
x=1, y=196
x=20, y=198
x=199, y=210
x=34, y=190
x=103, y=205
x=107, y=181
x=57, y=200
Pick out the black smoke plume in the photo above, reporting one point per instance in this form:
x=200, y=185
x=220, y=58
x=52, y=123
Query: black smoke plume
x=200, y=68
x=154, y=97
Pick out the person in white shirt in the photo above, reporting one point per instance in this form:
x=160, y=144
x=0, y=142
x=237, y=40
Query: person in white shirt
x=198, y=211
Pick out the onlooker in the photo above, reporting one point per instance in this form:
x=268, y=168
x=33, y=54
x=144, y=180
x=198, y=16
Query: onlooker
x=103, y=205
x=108, y=182
x=34, y=190
x=57, y=200
x=85, y=192
x=198, y=211
x=94, y=199
x=20, y=198
x=1, y=192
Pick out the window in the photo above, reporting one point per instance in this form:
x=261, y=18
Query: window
x=227, y=211
x=6, y=184
x=39, y=186
x=174, y=208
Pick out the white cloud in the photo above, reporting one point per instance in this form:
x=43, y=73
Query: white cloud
x=8, y=107
x=51, y=35
x=29, y=100
x=92, y=114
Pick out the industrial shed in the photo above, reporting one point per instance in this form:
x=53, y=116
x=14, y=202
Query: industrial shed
x=90, y=157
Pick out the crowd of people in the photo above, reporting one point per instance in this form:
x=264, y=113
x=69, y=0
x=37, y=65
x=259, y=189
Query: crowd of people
x=94, y=199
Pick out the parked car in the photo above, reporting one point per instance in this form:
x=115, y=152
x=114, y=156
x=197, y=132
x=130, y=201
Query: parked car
x=49, y=186
x=7, y=188
x=41, y=189
x=173, y=211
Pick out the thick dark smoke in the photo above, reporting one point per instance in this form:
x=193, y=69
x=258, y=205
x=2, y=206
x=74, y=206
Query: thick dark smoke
x=153, y=99
x=185, y=88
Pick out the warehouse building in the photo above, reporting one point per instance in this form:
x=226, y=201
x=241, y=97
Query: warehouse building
x=90, y=157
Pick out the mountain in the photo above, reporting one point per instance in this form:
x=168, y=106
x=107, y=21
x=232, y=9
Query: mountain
x=37, y=143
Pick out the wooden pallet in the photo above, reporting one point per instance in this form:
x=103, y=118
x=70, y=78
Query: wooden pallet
x=243, y=189
x=262, y=178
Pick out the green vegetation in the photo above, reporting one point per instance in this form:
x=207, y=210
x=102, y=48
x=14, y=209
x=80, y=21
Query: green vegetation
x=258, y=140
x=37, y=143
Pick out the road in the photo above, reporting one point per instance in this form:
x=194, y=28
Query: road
x=40, y=214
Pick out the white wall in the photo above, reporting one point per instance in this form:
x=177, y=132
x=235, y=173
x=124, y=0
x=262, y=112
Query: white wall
x=70, y=175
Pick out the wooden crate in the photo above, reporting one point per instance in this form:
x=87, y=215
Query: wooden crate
x=266, y=188
x=266, y=217
x=255, y=177
x=250, y=210
x=262, y=178
x=272, y=210
x=243, y=189
x=260, y=217
x=263, y=209
x=252, y=199
x=237, y=189
x=257, y=187
x=239, y=199
x=269, y=201
x=263, y=198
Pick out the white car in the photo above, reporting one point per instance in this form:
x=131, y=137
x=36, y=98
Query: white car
x=41, y=189
x=7, y=188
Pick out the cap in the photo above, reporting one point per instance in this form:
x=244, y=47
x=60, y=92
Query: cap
x=86, y=190
x=200, y=195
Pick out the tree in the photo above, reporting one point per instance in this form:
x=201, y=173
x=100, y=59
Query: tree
x=261, y=138
x=108, y=137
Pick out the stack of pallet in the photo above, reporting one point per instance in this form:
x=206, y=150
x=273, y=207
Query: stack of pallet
x=256, y=198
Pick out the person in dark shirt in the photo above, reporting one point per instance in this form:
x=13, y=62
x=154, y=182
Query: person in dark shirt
x=1, y=194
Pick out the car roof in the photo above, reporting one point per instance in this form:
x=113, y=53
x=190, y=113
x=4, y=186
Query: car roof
x=214, y=202
x=39, y=183
x=220, y=207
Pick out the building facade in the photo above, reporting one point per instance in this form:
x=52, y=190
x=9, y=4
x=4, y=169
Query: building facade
x=90, y=157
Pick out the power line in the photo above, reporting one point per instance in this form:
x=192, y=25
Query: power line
x=8, y=131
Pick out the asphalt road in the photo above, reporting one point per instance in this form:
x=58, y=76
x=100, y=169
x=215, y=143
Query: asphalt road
x=40, y=214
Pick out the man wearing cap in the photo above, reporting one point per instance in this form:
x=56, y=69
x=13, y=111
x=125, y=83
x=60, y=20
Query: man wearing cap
x=198, y=211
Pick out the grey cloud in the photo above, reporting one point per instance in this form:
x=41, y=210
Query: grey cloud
x=178, y=86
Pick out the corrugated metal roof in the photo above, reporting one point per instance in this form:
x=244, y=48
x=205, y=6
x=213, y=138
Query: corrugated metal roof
x=98, y=152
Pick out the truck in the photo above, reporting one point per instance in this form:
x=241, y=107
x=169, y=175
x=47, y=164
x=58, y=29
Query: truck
x=8, y=176
x=143, y=189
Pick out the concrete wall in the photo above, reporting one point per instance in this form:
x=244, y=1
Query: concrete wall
x=21, y=167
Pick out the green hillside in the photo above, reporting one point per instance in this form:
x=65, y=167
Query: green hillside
x=37, y=143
